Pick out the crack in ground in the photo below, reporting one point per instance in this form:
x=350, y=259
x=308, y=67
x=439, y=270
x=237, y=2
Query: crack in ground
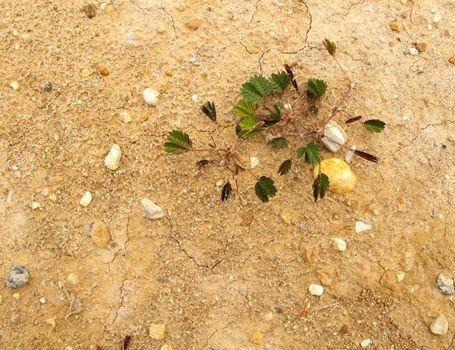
x=254, y=12
x=122, y=300
x=160, y=8
x=307, y=33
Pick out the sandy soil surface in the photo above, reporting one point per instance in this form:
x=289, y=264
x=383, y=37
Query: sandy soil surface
x=218, y=273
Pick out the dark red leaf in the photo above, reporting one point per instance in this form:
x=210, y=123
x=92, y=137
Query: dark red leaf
x=126, y=342
x=353, y=119
x=291, y=77
x=367, y=156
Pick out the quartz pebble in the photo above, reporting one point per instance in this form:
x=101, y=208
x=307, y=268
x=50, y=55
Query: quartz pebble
x=361, y=226
x=440, y=325
x=334, y=136
x=413, y=51
x=445, y=284
x=86, y=199
x=339, y=244
x=194, y=98
x=365, y=343
x=157, y=331
x=100, y=234
x=18, y=277
x=350, y=155
x=14, y=85
x=316, y=289
x=125, y=117
x=42, y=300
x=151, y=210
x=112, y=159
x=400, y=276
x=35, y=205
x=72, y=279
x=151, y=96
x=254, y=161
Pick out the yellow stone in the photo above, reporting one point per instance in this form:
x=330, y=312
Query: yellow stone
x=157, y=330
x=342, y=178
x=395, y=26
x=85, y=73
x=166, y=347
x=257, y=338
x=101, y=235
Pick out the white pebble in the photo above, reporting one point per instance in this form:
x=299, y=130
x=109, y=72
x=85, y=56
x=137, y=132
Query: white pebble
x=440, y=325
x=361, y=226
x=195, y=98
x=151, y=96
x=125, y=117
x=413, y=51
x=35, y=205
x=316, y=289
x=72, y=278
x=86, y=199
x=350, y=155
x=381, y=39
x=112, y=159
x=436, y=19
x=365, y=343
x=287, y=107
x=254, y=161
x=400, y=276
x=151, y=210
x=42, y=300
x=339, y=244
x=430, y=27
x=14, y=85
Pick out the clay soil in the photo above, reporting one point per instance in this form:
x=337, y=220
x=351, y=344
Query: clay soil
x=217, y=273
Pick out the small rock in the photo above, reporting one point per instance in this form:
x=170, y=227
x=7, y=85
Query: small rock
x=14, y=85
x=51, y=321
x=102, y=70
x=194, y=98
x=452, y=59
x=361, y=226
x=440, y=325
x=254, y=161
x=47, y=87
x=85, y=73
x=316, y=289
x=194, y=24
x=125, y=117
x=42, y=300
x=151, y=96
x=151, y=210
x=89, y=10
x=334, y=136
x=395, y=26
x=413, y=51
x=112, y=159
x=161, y=29
x=365, y=343
x=86, y=199
x=400, y=276
x=350, y=155
x=157, y=331
x=18, y=277
x=436, y=19
x=131, y=36
x=420, y=68
x=339, y=244
x=72, y=278
x=100, y=234
x=169, y=73
x=342, y=178
x=445, y=284
x=257, y=338
x=421, y=47
x=166, y=347
x=35, y=205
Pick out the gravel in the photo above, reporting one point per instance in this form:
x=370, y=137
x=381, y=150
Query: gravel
x=18, y=277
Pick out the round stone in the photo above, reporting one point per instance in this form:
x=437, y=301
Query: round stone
x=342, y=178
x=18, y=277
x=316, y=289
x=151, y=96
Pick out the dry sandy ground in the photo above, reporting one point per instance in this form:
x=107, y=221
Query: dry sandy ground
x=211, y=277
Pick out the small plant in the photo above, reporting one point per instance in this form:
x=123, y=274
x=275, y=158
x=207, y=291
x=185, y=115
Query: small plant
x=264, y=109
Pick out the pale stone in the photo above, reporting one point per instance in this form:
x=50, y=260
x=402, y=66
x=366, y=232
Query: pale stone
x=151, y=210
x=72, y=278
x=151, y=96
x=440, y=325
x=254, y=161
x=35, y=205
x=334, y=136
x=445, y=284
x=86, y=199
x=166, y=347
x=339, y=244
x=125, y=117
x=400, y=276
x=112, y=159
x=14, y=85
x=361, y=226
x=316, y=289
x=157, y=331
x=350, y=155
x=365, y=343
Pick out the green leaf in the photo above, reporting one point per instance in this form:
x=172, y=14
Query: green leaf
x=226, y=191
x=279, y=82
x=285, y=167
x=311, y=153
x=255, y=89
x=374, y=125
x=209, y=110
x=265, y=188
x=178, y=142
x=248, y=127
x=320, y=186
x=275, y=116
x=316, y=88
x=244, y=109
x=330, y=46
x=278, y=143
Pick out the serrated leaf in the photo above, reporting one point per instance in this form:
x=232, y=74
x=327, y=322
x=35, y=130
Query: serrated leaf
x=255, y=89
x=265, y=188
x=248, y=127
x=311, y=153
x=374, y=125
x=285, y=167
x=330, y=46
x=178, y=142
x=316, y=88
x=279, y=82
x=226, y=191
x=278, y=143
x=275, y=116
x=320, y=186
x=209, y=110
x=244, y=109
